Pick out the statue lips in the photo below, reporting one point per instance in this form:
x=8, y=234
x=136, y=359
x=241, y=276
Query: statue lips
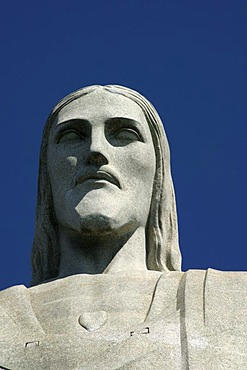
x=99, y=175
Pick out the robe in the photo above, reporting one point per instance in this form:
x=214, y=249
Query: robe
x=141, y=320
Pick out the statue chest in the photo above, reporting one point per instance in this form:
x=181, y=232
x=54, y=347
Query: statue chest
x=195, y=320
x=97, y=323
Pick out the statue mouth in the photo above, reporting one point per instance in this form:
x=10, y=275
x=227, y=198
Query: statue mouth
x=100, y=176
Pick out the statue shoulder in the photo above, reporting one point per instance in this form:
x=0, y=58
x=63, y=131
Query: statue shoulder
x=234, y=281
x=11, y=298
x=229, y=277
x=226, y=296
x=216, y=301
x=218, y=289
x=16, y=312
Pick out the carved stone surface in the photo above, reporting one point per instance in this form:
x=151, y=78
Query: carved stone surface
x=107, y=290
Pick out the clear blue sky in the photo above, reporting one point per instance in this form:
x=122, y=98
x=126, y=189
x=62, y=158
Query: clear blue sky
x=188, y=57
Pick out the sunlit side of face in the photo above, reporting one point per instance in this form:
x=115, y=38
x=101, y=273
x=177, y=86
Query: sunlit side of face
x=101, y=163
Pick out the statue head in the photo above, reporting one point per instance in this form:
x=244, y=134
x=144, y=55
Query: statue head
x=162, y=250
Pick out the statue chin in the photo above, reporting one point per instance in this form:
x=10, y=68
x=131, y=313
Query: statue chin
x=96, y=217
x=103, y=216
x=96, y=223
x=89, y=214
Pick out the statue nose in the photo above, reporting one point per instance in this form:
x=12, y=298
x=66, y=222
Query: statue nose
x=96, y=159
x=98, y=149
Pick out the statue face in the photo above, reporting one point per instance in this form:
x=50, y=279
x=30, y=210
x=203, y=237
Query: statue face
x=101, y=163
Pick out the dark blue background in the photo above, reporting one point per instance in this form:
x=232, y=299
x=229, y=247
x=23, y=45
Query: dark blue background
x=188, y=57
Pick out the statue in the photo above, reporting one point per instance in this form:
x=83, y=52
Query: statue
x=107, y=289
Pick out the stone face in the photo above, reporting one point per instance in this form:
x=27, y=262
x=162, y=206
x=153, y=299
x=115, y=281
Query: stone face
x=107, y=288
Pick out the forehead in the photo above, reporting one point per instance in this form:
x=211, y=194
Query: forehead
x=101, y=104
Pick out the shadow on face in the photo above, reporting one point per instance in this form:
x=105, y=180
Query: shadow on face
x=101, y=163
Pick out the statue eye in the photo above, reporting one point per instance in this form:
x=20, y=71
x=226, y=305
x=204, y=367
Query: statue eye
x=69, y=136
x=127, y=134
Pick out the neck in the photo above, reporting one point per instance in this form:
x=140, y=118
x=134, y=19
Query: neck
x=97, y=254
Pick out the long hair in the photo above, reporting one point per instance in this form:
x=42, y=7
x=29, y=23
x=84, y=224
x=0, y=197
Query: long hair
x=162, y=249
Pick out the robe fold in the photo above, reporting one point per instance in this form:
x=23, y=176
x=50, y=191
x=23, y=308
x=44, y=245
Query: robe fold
x=173, y=320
